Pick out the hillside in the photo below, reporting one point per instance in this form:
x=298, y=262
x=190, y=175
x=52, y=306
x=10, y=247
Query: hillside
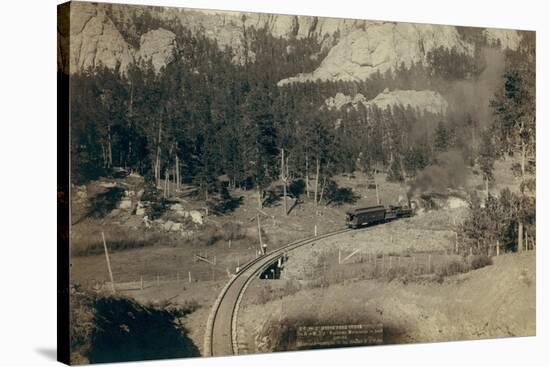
x=496, y=301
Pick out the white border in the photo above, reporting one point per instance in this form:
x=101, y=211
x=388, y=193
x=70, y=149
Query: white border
x=28, y=181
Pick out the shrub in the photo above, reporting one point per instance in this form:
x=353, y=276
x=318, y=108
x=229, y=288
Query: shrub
x=211, y=235
x=233, y=231
x=397, y=272
x=297, y=188
x=451, y=267
x=208, y=237
x=339, y=195
x=157, y=204
x=480, y=261
x=223, y=202
x=104, y=202
x=118, y=239
x=156, y=209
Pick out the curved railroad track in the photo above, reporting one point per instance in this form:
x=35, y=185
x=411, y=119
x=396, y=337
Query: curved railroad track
x=221, y=335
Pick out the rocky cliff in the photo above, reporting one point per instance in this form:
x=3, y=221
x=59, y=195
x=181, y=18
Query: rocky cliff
x=383, y=46
x=358, y=48
x=96, y=36
x=423, y=101
x=92, y=39
x=157, y=46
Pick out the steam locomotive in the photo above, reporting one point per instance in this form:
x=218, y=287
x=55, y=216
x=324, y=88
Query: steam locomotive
x=376, y=214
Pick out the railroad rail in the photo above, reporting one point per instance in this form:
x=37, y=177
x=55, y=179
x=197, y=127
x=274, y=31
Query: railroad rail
x=221, y=329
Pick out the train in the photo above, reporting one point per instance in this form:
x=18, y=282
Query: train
x=376, y=214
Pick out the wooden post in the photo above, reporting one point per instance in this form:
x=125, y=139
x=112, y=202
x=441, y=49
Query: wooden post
x=520, y=236
x=339, y=256
x=307, y=176
x=377, y=195
x=189, y=277
x=283, y=178
x=229, y=244
x=157, y=160
x=108, y=262
x=322, y=189
x=498, y=248
x=177, y=173
x=456, y=242
x=390, y=261
x=166, y=183
x=315, y=230
x=316, y=181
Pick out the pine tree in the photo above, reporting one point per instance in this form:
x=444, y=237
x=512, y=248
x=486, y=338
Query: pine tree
x=441, y=137
x=486, y=159
x=514, y=109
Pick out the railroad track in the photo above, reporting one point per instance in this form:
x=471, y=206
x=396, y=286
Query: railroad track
x=221, y=328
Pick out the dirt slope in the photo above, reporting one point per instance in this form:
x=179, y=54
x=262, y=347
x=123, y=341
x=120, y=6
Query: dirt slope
x=496, y=301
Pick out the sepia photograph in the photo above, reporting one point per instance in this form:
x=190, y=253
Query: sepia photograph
x=234, y=183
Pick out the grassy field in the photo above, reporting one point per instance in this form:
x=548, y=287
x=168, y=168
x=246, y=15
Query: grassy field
x=139, y=252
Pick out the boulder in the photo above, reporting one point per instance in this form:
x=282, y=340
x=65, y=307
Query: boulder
x=187, y=233
x=454, y=202
x=107, y=185
x=176, y=227
x=146, y=222
x=168, y=225
x=176, y=207
x=125, y=204
x=157, y=46
x=196, y=216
